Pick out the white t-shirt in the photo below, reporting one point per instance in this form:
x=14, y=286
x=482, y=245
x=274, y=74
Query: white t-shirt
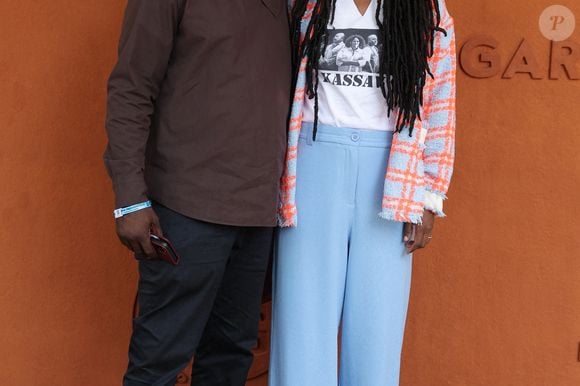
x=349, y=93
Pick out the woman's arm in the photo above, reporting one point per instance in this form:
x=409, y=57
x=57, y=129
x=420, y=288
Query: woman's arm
x=439, y=115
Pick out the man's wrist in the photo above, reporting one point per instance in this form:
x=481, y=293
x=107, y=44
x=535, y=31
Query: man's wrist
x=120, y=212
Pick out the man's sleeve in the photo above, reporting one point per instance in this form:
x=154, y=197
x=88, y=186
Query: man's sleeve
x=145, y=46
x=440, y=100
x=340, y=56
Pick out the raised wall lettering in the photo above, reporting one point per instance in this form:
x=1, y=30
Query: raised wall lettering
x=565, y=59
x=523, y=62
x=479, y=58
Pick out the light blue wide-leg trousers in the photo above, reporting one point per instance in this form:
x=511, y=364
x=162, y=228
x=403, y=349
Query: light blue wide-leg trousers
x=342, y=265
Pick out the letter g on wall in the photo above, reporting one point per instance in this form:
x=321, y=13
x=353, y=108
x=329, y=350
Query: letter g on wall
x=479, y=57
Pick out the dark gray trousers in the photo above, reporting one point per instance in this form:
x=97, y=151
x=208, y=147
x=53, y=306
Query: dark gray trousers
x=207, y=306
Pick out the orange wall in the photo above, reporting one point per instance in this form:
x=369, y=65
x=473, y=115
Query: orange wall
x=495, y=301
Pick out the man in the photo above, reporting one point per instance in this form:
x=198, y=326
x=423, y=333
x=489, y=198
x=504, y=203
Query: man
x=373, y=52
x=328, y=61
x=197, y=113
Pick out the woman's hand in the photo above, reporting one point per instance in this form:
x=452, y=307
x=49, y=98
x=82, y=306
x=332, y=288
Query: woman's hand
x=422, y=232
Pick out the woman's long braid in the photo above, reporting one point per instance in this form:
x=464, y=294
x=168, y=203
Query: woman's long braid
x=407, y=28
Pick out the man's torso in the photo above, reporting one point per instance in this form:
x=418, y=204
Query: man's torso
x=218, y=134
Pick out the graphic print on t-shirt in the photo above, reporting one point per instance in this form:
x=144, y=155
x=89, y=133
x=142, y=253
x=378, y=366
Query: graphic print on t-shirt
x=349, y=85
x=351, y=58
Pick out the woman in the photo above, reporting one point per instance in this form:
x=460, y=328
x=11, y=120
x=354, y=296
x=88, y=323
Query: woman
x=352, y=57
x=360, y=145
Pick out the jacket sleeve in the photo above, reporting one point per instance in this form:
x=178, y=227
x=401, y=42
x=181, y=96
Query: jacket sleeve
x=145, y=46
x=439, y=114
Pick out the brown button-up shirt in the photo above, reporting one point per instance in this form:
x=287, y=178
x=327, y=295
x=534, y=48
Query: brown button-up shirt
x=197, y=108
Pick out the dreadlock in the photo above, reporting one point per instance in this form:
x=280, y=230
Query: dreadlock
x=407, y=28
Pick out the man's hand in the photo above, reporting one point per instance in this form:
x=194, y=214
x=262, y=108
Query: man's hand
x=134, y=229
x=422, y=232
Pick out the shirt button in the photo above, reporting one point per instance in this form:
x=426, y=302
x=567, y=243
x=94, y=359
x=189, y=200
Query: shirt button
x=355, y=137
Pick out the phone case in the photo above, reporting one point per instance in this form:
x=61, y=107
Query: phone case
x=164, y=249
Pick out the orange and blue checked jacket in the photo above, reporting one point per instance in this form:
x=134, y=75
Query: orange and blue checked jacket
x=417, y=163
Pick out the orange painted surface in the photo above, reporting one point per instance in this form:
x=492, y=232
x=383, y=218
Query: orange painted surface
x=495, y=300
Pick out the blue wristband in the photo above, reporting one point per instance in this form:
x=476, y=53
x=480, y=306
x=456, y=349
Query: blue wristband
x=118, y=213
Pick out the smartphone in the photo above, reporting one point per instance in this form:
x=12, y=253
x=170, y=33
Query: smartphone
x=164, y=249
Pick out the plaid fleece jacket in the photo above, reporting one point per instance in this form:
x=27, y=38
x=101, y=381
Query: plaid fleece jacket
x=419, y=165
